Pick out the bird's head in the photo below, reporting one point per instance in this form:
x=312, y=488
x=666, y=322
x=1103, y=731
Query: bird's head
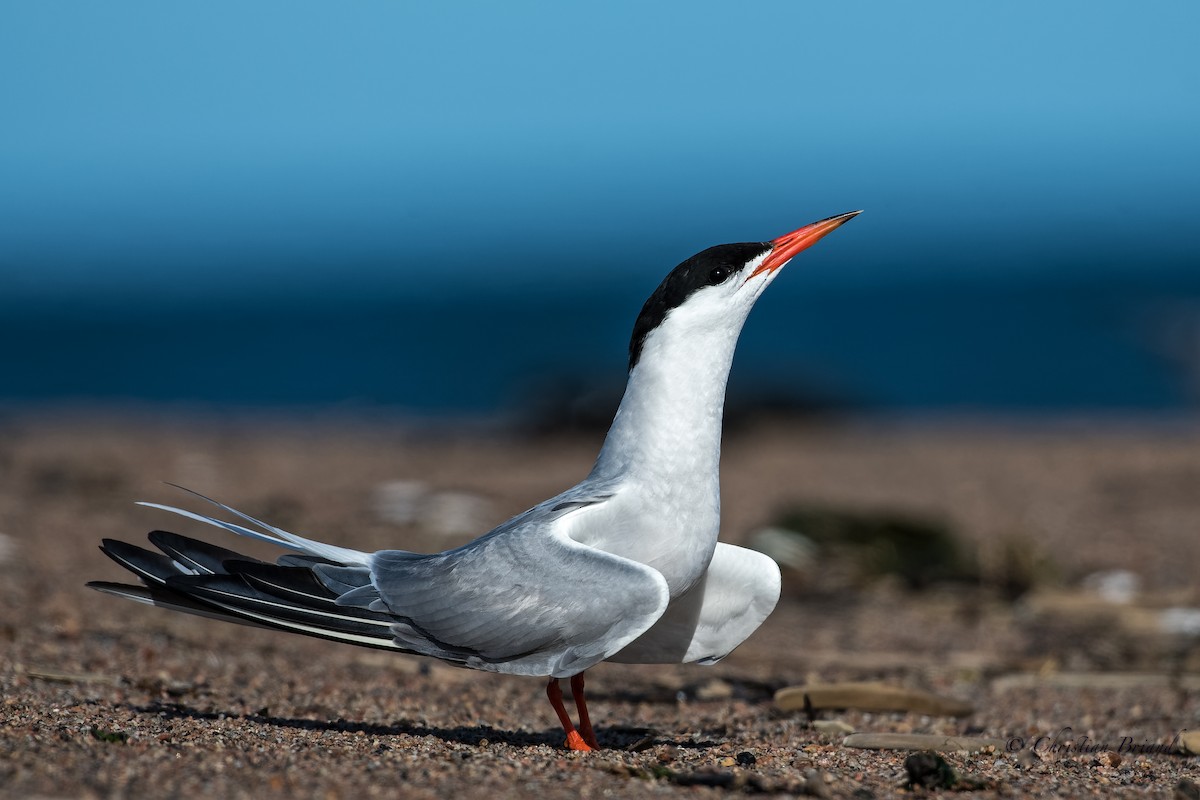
x=712, y=292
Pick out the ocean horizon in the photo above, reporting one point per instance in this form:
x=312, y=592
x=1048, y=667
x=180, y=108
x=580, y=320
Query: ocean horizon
x=1040, y=343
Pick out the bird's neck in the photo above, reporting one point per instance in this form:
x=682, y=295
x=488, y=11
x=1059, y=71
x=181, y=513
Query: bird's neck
x=667, y=431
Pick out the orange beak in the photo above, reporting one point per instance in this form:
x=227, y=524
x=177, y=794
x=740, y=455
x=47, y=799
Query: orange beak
x=787, y=246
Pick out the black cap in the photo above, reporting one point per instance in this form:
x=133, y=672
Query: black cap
x=706, y=268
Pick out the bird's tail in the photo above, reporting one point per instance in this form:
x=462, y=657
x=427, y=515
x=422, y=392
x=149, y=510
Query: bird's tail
x=200, y=578
x=270, y=534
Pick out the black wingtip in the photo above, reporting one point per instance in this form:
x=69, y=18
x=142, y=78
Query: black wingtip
x=197, y=553
x=124, y=589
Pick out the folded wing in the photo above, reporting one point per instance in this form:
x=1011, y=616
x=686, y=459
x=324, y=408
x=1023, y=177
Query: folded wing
x=738, y=592
x=525, y=599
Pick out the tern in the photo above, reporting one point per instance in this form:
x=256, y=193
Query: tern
x=625, y=566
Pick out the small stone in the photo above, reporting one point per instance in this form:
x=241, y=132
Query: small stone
x=1180, y=621
x=715, y=689
x=451, y=513
x=719, y=779
x=614, y=767
x=644, y=743
x=816, y=784
x=869, y=696
x=727, y=761
x=920, y=741
x=747, y=759
x=399, y=501
x=667, y=754
x=1095, y=680
x=929, y=770
x=1109, y=759
x=446, y=512
x=1117, y=586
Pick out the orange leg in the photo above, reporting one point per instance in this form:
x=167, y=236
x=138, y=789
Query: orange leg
x=574, y=740
x=585, y=723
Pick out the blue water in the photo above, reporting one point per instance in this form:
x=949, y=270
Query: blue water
x=1035, y=345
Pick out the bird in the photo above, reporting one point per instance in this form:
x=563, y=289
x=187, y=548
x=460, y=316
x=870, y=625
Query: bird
x=625, y=566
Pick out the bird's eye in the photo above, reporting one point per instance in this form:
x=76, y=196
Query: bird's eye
x=719, y=275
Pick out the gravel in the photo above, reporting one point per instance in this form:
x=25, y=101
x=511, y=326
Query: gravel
x=109, y=699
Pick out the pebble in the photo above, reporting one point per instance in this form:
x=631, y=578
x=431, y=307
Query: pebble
x=816, y=784
x=875, y=697
x=1117, y=586
x=929, y=770
x=445, y=512
x=720, y=779
x=1180, y=621
x=1094, y=680
x=921, y=741
x=715, y=689
x=836, y=726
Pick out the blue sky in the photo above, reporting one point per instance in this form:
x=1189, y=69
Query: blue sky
x=224, y=148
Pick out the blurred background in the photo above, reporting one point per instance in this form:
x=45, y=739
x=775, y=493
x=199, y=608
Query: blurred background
x=333, y=262
x=458, y=209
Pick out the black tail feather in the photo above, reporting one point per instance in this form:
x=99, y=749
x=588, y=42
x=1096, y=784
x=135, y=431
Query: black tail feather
x=195, y=554
x=233, y=593
x=153, y=568
x=297, y=584
x=200, y=578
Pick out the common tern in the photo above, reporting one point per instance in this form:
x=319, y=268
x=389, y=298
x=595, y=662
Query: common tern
x=625, y=566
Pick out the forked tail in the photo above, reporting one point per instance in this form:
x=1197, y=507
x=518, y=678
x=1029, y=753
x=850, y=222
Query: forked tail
x=200, y=578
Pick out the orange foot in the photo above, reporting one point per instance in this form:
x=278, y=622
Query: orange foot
x=576, y=742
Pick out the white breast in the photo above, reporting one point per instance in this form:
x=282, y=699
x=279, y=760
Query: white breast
x=673, y=534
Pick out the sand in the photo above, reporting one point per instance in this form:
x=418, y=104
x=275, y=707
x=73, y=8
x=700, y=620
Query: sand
x=103, y=698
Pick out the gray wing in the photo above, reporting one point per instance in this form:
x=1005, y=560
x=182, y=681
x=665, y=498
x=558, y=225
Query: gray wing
x=738, y=592
x=525, y=599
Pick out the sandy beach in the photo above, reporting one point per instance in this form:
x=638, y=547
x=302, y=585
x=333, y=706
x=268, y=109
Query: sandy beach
x=104, y=698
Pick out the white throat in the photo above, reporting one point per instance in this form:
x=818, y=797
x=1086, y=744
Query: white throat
x=663, y=450
x=667, y=430
x=661, y=459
